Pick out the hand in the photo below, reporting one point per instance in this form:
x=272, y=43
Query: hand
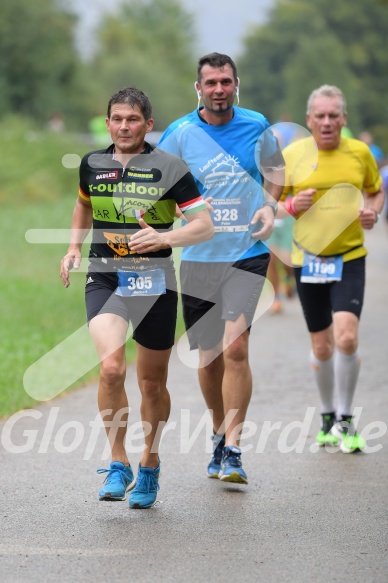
x=71, y=260
x=304, y=200
x=209, y=207
x=147, y=240
x=368, y=218
x=264, y=218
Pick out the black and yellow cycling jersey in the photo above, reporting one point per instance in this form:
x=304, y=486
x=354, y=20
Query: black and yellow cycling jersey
x=149, y=187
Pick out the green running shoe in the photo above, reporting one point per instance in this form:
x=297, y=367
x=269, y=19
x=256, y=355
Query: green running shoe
x=345, y=432
x=324, y=436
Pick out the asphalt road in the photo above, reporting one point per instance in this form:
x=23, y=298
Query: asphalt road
x=307, y=516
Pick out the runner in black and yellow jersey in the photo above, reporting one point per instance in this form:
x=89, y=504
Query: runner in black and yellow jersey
x=337, y=193
x=128, y=195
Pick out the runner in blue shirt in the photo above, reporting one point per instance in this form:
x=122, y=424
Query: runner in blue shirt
x=228, y=149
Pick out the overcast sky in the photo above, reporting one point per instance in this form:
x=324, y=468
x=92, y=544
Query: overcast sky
x=220, y=24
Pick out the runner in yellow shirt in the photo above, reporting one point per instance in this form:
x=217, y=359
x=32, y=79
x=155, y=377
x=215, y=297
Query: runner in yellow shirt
x=336, y=194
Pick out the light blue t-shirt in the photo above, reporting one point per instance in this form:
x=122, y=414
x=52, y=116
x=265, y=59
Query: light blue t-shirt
x=225, y=162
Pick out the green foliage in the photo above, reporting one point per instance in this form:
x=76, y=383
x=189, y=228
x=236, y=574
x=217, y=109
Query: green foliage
x=39, y=154
x=38, y=64
x=37, y=312
x=305, y=44
x=149, y=45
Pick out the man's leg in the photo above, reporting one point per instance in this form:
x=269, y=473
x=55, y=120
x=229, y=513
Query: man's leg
x=237, y=380
x=226, y=384
x=347, y=360
x=274, y=278
x=152, y=369
x=346, y=371
x=108, y=332
x=210, y=375
x=321, y=362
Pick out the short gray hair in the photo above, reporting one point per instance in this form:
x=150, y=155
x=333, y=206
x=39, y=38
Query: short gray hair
x=327, y=91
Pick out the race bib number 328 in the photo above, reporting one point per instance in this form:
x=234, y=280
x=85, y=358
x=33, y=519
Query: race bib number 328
x=230, y=215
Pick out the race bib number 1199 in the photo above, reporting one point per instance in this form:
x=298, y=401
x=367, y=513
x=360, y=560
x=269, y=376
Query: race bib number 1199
x=321, y=269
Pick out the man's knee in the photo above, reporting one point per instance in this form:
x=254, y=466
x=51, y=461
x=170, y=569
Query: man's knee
x=346, y=332
x=237, y=351
x=347, y=342
x=322, y=344
x=112, y=372
x=151, y=388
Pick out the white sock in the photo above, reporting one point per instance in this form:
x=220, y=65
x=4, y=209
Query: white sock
x=323, y=373
x=346, y=369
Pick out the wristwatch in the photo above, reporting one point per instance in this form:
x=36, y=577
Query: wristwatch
x=273, y=205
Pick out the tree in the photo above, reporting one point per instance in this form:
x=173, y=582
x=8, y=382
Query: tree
x=305, y=44
x=38, y=63
x=147, y=44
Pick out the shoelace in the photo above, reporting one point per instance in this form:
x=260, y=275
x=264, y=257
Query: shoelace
x=114, y=475
x=233, y=459
x=147, y=483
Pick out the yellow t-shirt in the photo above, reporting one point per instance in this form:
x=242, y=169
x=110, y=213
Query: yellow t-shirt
x=341, y=176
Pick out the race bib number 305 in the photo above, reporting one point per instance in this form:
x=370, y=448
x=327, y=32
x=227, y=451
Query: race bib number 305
x=141, y=283
x=230, y=215
x=321, y=269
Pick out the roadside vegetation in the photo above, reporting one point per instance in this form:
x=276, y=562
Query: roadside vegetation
x=37, y=312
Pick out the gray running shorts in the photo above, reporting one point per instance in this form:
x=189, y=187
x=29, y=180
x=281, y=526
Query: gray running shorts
x=219, y=291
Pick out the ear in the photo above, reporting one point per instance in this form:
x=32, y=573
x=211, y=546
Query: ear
x=198, y=88
x=308, y=123
x=150, y=125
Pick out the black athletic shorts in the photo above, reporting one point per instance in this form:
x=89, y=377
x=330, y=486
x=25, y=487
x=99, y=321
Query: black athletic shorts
x=153, y=318
x=227, y=289
x=320, y=300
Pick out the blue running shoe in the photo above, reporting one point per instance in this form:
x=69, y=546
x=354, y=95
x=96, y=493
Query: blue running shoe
x=231, y=466
x=214, y=466
x=118, y=482
x=147, y=487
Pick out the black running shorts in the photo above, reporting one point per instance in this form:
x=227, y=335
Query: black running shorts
x=320, y=300
x=153, y=318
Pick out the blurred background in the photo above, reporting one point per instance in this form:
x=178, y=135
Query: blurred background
x=60, y=61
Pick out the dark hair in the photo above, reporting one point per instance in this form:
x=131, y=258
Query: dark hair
x=215, y=60
x=132, y=96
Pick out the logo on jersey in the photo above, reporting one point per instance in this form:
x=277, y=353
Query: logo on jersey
x=144, y=174
x=113, y=175
x=137, y=214
x=118, y=243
